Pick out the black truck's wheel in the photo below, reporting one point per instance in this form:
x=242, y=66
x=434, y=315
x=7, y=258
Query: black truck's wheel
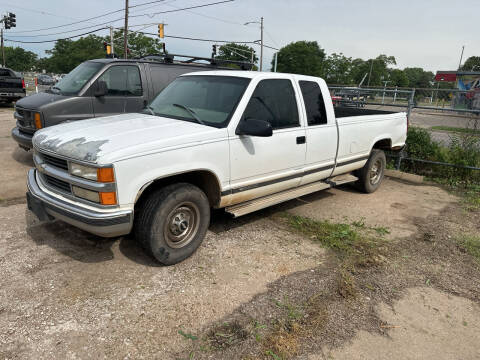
x=371, y=175
x=172, y=222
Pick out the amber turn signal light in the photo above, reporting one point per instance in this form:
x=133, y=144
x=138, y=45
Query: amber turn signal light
x=105, y=175
x=108, y=198
x=38, y=120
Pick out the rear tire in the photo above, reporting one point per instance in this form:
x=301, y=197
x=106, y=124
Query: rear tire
x=171, y=222
x=371, y=175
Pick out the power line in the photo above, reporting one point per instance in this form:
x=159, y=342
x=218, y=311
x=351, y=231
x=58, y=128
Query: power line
x=199, y=39
x=46, y=41
x=183, y=9
x=86, y=20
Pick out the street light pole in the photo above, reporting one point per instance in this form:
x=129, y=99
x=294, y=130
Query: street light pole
x=125, y=31
x=112, y=50
x=261, y=43
x=261, y=39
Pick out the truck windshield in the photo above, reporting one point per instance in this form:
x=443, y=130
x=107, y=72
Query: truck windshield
x=77, y=78
x=204, y=99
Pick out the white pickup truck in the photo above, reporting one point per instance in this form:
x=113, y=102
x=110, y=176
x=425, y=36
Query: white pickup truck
x=224, y=139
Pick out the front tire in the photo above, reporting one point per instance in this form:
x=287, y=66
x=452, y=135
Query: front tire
x=371, y=175
x=171, y=222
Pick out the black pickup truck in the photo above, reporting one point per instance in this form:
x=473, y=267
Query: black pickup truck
x=12, y=86
x=104, y=87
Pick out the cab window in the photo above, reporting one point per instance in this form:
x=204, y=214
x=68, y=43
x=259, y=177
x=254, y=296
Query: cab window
x=274, y=101
x=314, y=104
x=123, y=80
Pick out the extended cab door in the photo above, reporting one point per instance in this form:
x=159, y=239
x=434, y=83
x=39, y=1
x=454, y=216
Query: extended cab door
x=124, y=91
x=264, y=165
x=321, y=130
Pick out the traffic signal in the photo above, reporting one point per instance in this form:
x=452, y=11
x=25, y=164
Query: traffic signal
x=161, y=33
x=13, y=19
x=214, y=50
x=108, y=48
x=10, y=20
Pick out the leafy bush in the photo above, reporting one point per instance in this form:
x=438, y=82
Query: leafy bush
x=463, y=150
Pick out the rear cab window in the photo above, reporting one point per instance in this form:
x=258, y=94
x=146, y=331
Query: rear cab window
x=273, y=100
x=314, y=103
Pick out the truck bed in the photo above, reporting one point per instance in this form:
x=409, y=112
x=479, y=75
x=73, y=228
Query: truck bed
x=345, y=111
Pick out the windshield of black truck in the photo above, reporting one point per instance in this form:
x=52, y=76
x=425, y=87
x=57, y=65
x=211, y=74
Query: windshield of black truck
x=73, y=82
x=204, y=99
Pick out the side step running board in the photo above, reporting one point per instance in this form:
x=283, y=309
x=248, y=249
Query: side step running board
x=266, y=201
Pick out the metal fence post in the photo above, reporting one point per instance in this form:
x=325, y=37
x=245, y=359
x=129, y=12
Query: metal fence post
x=410, y=106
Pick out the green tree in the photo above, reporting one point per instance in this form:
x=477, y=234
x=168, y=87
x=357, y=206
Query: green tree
x=337, y=69
x=398, y=78
x=379, y=70
x=301, y=57
x=471, y=64
x=138, y=44
x=419, y=78
x=67, y=54
x=19, y=59
x=236, y=52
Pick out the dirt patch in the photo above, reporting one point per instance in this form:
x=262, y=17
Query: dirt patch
x=352, y=300
x=254, y=289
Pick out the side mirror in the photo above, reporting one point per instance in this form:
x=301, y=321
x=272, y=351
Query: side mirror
x=254, y=127
x=101, y=88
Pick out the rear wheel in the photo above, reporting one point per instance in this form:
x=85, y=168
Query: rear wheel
x=371, y=175
x=172, y=222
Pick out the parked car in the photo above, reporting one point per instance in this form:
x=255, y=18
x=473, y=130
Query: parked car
x=44, y=79
x=101, y=87
x=12, y=86
x=236, y=140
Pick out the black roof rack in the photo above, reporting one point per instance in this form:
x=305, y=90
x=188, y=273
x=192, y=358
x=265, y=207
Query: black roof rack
x=169, y=59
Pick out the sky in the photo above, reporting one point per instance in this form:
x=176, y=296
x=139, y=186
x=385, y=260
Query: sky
x=420, y=33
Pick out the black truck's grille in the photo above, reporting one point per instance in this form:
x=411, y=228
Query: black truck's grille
x=25, y=118
x=54, y=161
x=57, y=184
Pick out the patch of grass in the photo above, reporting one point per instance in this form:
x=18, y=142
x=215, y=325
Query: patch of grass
x=471, y=244
x=226, y=334
x=187, y=336
x=471, y=198
x=356, y=248
x=456, y=129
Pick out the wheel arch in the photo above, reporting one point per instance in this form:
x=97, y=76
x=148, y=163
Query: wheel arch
x=204, y=179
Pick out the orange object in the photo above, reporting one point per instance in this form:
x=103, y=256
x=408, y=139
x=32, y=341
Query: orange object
x=38, y=120
x=105, y=175
x=108, y=198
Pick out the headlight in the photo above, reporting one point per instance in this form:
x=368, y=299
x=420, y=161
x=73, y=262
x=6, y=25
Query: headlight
x=92, y=173
x=85, y=172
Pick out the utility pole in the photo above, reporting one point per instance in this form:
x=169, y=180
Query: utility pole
x=276, y=60
x=125, y=31
x=461, y=56
x=3, y=49
x=261, y=43
x=370, y=73
x=111, y=41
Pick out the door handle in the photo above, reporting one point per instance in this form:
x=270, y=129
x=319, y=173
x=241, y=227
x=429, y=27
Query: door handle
x=301, y=139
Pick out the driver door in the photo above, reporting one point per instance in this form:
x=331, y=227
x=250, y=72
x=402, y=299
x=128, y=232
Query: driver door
x=264, y=165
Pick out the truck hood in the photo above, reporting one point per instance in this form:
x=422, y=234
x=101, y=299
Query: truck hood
x=108, y=139
x=34, y=102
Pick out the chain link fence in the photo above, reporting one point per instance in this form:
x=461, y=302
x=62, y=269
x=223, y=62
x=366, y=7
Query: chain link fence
x=444, y=133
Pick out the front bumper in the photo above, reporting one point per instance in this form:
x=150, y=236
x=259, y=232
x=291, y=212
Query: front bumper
x=23, y=139
x=48, y=207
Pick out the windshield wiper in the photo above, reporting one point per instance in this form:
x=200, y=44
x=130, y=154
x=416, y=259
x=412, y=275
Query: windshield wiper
x=56, y=88
x=191, y=112
x=150, y=110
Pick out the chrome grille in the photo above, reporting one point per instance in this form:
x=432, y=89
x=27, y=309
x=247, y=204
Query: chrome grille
x=54, y=161
x=57, y=184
